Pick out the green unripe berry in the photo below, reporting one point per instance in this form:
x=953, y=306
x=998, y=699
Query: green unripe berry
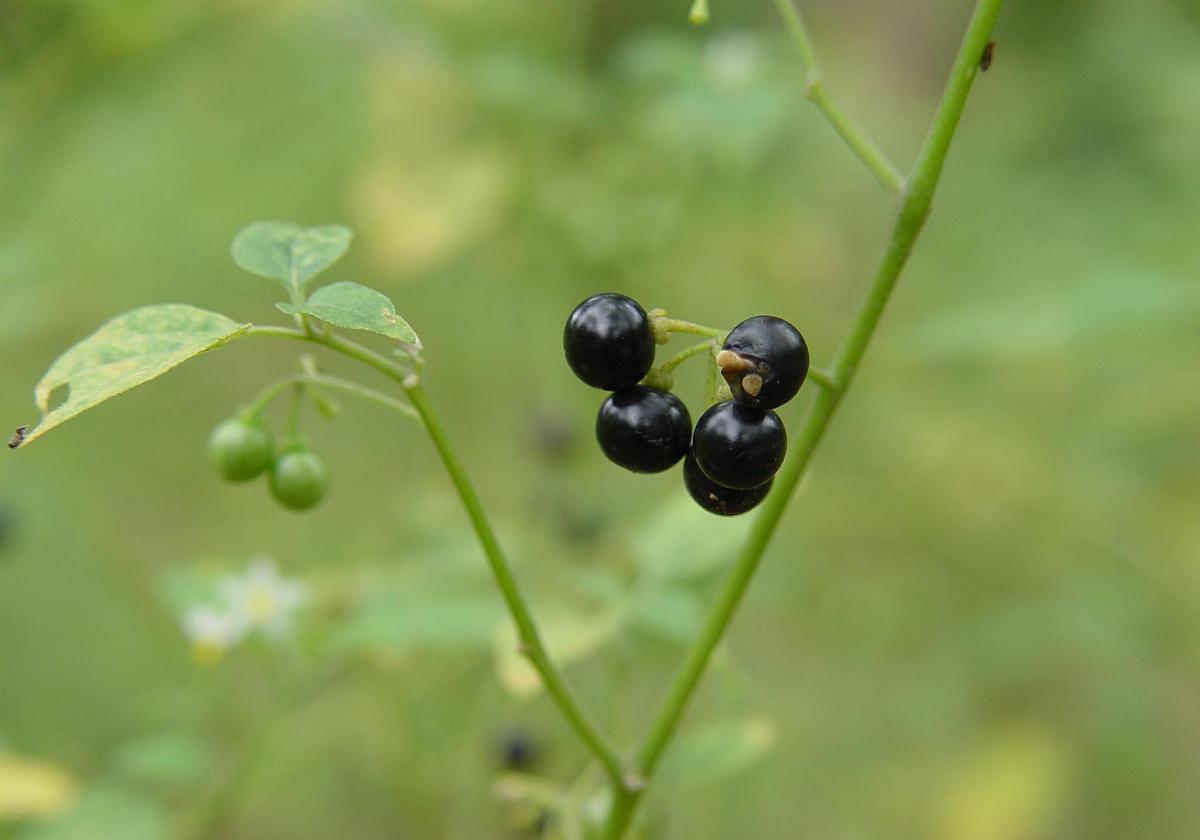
x=298, y=479
x=240, y=450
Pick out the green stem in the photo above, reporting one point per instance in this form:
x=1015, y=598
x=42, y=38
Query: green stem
x=361, y=391
x=531, y=643
x=683, y=355
x=294, y=415
x=914, y=210
x=823, y=379
x=531, y=646
x=677, y=326
x=814, y=89
x=710, y=379
x=254, y=411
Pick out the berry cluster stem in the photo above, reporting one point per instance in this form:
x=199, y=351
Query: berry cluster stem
x=674, y=325
x=255, y=410
x=915, y=205
x=683, y=355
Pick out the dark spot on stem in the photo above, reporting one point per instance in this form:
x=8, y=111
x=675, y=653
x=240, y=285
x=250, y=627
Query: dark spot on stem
x=18, y=437
x=985, y=60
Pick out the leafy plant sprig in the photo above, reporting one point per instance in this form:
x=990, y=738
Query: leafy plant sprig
x=141, y=345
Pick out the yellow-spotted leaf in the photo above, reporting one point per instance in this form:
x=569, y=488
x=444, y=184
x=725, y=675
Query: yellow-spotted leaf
x=127, y=351
x=355, y=307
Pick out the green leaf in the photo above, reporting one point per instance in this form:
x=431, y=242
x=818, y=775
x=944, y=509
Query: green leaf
x=718, y=750
x=165, y=759
x=130, y=349
x=289, y=253
x=106, y=812
x=355, y=307
x=423, y=618
x=570, y=636
x=672, y=614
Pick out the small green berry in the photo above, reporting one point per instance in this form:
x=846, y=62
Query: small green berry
x=240, y=450
x=298, y=479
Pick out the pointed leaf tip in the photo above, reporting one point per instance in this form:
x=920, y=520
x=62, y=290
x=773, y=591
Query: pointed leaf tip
x=125, y=352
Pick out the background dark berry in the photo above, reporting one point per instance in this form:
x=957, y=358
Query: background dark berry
x=723, y=501
x=644, y=429
x=517, y=750
x=739, y=446
x=767, y=361
x=608, y=341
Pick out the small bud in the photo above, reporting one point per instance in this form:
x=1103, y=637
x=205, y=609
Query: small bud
x=698, y=16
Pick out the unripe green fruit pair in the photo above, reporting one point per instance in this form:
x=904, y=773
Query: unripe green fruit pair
x=241, y=450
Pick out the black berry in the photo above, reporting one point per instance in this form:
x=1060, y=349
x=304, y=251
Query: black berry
x=764, y=360
x=644, y=429
x=609, y=342
x=739, y=446
x=723, y=501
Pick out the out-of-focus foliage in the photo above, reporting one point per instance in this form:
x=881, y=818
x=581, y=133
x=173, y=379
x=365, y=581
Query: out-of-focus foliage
x=980, y=619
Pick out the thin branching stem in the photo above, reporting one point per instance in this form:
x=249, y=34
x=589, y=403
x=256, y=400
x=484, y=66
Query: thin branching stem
x=530, y=640
x=683, y=355
x=814, y=89
x=334, y=383
x=914, y=210
x=823, y=379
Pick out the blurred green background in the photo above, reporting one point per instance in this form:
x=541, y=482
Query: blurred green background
x=981, y=618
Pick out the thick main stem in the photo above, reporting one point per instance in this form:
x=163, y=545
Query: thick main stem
x=531, y=643
x=914, y=209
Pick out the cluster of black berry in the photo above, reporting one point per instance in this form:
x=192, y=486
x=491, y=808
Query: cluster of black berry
x=738, y=443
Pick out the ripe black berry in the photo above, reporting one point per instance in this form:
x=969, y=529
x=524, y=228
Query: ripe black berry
x=739, y=446
x=764, y=360
x=644, y=429
x=609, y=342
x=723, y=501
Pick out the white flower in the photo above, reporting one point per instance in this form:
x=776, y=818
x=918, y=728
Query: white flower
x=262, y=598
x=212, y=632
